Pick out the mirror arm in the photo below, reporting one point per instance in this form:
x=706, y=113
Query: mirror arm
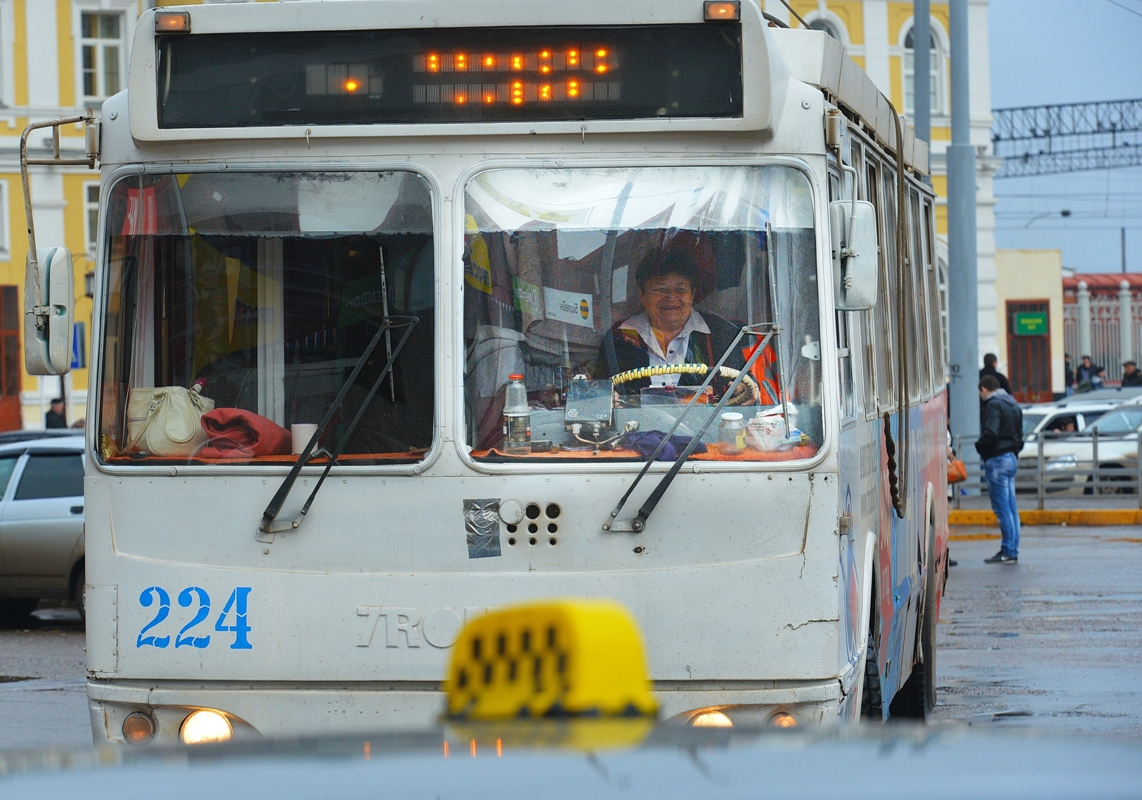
x=91, y=148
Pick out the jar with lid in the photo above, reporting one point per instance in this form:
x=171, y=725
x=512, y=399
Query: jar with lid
x=732, y=433
x=517, y=418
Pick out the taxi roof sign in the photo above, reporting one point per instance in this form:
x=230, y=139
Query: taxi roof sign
x=553, y=659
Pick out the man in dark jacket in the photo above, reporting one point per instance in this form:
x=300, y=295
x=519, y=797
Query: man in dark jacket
x=54, y=418
x=1086, y=376
x=1000, y=438
x=989, y=362
x=1130, y=375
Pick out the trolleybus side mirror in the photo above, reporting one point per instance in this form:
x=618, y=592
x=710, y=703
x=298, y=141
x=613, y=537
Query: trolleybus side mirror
x=48, y=311
x=853, y=227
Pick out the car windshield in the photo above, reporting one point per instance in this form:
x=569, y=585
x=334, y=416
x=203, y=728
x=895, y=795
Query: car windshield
x=1030, y=421
x=1120, y=420
x=608, y=293
x=249, y=297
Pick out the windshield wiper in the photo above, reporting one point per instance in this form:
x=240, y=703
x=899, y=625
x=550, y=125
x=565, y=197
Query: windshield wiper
x=768, y=331
x=266, y=528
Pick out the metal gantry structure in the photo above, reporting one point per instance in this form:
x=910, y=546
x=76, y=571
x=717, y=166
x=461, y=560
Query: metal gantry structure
x=1047, y=140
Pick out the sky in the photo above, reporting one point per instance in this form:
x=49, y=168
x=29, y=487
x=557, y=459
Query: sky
x=1069, y=51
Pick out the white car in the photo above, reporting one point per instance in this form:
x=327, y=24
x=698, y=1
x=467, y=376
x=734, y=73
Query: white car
x=41, y=525
x=1069, y=460
x=1061, y=417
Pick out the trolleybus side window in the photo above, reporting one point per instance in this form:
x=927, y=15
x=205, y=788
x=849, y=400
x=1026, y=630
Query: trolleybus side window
x=884, y=326
x=920, y=297
x=611, y=292
x=261, y=291
x=844, y=337
x=863, y=319
x=935, y=316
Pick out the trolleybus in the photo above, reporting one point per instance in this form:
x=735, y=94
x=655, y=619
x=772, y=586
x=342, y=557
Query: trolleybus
x=407, y=310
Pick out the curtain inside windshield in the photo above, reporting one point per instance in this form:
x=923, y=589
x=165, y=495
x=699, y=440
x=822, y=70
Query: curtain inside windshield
x=239, y=304
x=596, y=302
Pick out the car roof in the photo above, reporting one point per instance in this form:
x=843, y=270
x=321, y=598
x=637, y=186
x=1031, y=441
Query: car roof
x=1115, y=395
x=1071, y=408
x=72, y=443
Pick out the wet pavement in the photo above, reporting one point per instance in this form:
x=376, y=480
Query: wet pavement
x=43, y=695
x=1053, y=643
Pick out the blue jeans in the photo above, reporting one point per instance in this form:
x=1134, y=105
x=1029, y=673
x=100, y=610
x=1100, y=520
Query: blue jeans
x=999, y=472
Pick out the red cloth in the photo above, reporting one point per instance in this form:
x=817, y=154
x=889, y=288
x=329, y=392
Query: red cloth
x=237, y=433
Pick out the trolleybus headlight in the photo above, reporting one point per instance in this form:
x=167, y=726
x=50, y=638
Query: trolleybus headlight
x=783, y=719
x=711, y=719
x=138, y=728
x=206, y=726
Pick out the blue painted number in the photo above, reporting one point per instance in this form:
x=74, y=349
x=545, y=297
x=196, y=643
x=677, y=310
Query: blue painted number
x=145, y=600
x=185, y=598
x=237, y=604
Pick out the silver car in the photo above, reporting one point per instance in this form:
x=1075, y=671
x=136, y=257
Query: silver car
x=41, y=525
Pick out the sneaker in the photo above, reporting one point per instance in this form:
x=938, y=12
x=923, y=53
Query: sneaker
x=1001, y=558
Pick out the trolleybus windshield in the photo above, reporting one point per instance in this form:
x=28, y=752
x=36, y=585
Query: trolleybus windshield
x=265, y=289
x=608, y=291
x=449, y=75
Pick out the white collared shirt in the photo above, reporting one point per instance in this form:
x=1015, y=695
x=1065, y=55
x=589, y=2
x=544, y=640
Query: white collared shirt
x=675, y=351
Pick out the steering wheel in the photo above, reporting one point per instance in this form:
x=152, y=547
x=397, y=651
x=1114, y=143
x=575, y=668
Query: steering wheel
x=728, y=373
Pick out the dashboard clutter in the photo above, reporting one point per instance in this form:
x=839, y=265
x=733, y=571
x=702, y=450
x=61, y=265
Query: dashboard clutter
x=166, y=420
x=237, y=433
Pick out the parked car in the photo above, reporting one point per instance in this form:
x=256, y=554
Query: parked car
x=1069, y=460
x=1062, y=417
x=41, y=524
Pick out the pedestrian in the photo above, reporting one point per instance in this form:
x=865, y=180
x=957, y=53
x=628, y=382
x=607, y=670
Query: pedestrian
x=55, y=418
x=1086, y=375
x=1068, y=375
x=989, y=362
x=1130, y=375
x=1000, y=439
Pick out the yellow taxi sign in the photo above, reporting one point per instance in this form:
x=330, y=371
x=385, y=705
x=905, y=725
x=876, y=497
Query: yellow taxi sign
x=550, y=659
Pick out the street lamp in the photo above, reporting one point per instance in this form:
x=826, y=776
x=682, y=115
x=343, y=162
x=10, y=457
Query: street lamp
x=1066, y=212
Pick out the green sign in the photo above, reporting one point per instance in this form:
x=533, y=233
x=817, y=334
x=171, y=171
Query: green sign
x=1031, y=324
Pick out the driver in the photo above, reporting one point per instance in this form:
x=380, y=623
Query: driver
x=671, y=331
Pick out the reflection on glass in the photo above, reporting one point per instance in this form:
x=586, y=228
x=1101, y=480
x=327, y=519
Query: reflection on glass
x=264, y=290
x=642, y=278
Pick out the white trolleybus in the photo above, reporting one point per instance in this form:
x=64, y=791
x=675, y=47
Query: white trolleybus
x=409, y=310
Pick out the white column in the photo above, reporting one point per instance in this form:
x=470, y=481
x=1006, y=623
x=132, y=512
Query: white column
x=1125, y=323
x=1083, y=297
x=43, y=57
x=876, y=44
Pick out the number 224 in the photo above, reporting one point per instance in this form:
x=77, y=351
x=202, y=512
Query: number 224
x=236, y=605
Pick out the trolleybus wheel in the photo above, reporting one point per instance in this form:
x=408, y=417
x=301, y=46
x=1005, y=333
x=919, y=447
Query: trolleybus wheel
x=15, y=611
x=917, y=697
x=871, y=701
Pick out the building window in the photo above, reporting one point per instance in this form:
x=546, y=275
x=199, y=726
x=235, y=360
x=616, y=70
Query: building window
x=91, y=216
x=826, y=26
x=102, y=53
x=936, y=73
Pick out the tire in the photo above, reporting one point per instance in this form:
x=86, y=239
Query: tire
x=17, y=611
x=1108, y=479
x=77, y=585
x=917, y=697
x=871, y=702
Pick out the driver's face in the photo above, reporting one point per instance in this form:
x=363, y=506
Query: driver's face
x=667, y=300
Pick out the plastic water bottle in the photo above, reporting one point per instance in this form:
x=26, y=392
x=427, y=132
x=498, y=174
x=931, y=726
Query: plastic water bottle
x=517, y=418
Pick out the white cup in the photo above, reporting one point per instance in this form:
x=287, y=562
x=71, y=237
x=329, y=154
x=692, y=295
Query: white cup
x=302, y=433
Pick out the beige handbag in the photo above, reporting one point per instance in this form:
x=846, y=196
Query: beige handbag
x=166, y=420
